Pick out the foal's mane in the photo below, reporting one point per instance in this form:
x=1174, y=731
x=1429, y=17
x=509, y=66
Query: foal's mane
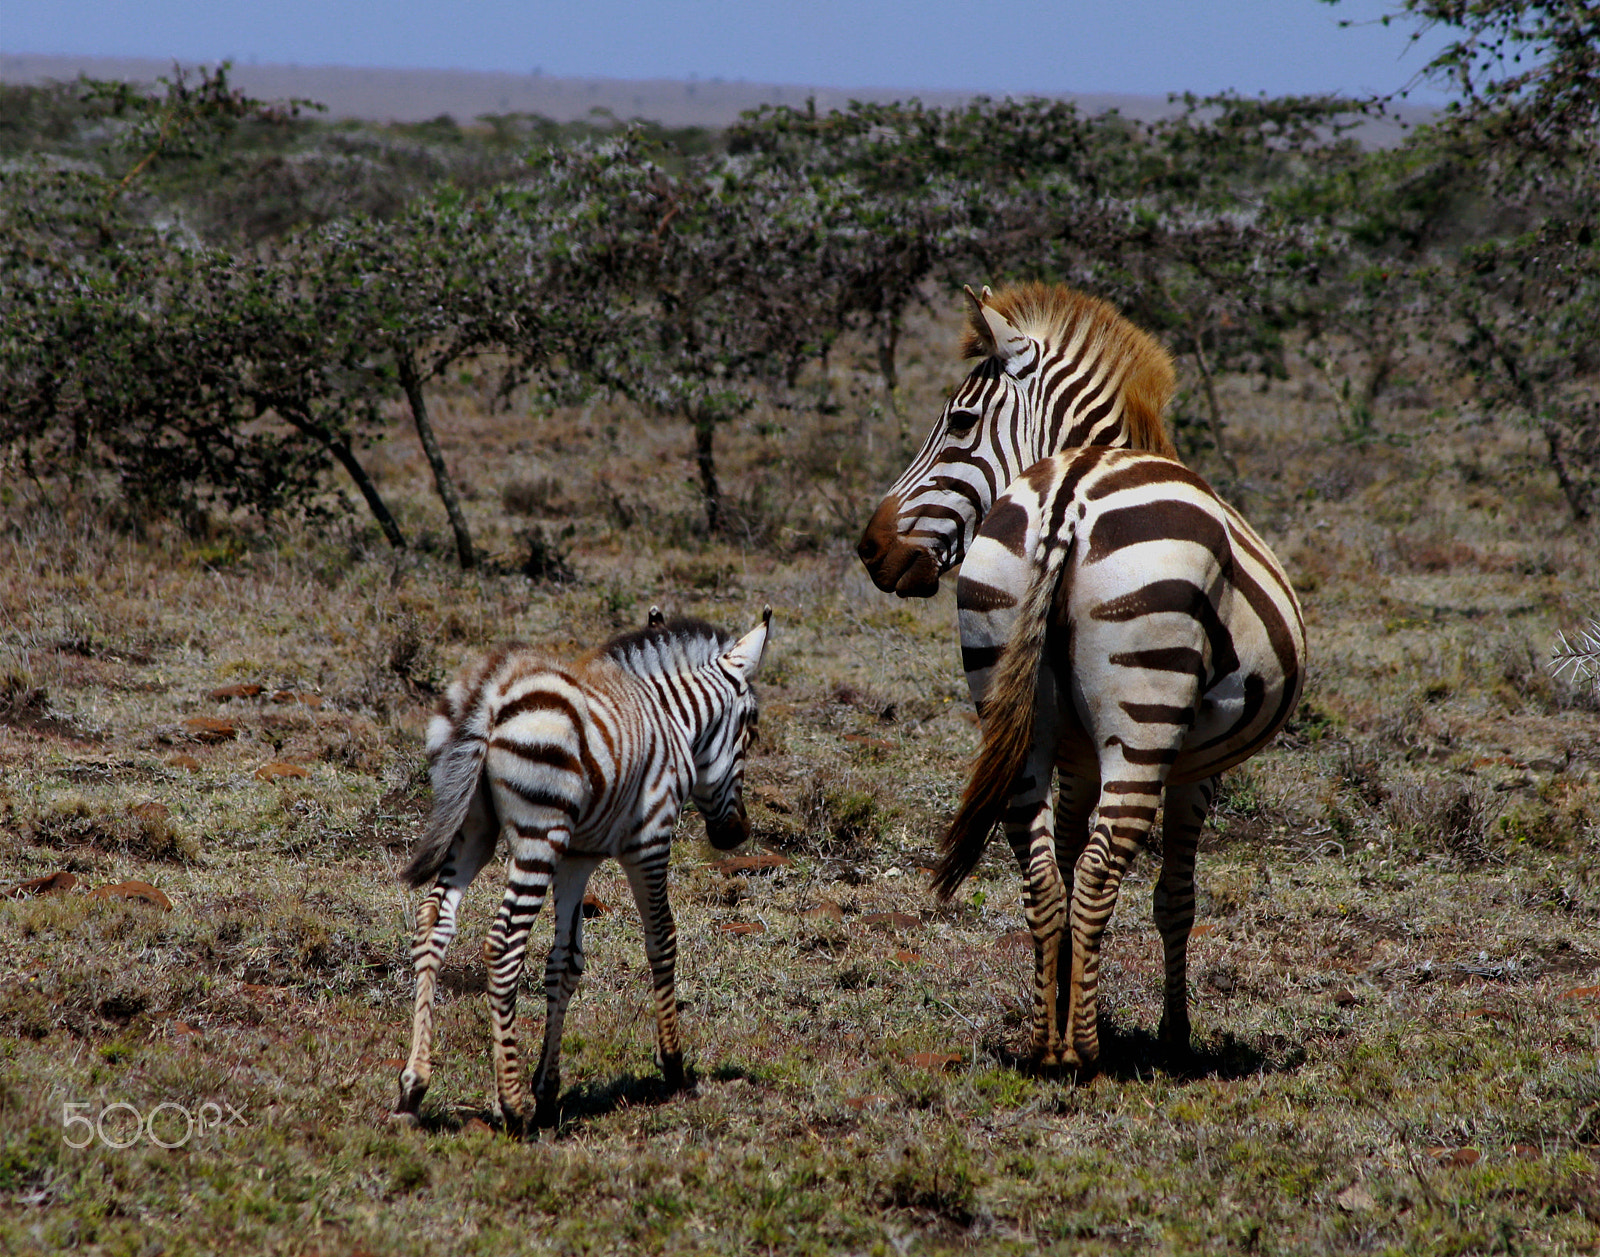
x=680, y=645
x=1059, y=314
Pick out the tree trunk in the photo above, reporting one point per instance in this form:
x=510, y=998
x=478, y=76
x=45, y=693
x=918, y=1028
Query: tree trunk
x=1577, y=499
x=1213, y=407
x=341, y=450
x=888, y=347
x=411, y=382
x=704, y=431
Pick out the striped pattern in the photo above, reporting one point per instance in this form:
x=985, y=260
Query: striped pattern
x=574, y=765
x=1121, y=627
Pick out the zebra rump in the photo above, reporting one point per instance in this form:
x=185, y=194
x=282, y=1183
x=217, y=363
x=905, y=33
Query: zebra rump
x=1008, y=712
x=458, y=742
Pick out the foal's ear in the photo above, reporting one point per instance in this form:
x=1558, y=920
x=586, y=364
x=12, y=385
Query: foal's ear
x=745, y=654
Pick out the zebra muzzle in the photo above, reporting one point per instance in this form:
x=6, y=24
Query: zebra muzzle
x=727, y=832
x=895, y=566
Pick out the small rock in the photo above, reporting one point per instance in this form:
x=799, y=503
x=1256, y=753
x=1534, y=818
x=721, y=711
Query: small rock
x=142, y=891
x=209, y=729
x=1016, y=940
x=933, y=1062
x=50, y=884
x=762, y=862
x=226, y=692
x=278, y=768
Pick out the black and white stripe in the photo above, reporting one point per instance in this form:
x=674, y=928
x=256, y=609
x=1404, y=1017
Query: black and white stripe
x=575, y=764
x=1120, y=625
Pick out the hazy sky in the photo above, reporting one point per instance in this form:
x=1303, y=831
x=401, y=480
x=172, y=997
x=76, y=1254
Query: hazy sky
x=1147, y=47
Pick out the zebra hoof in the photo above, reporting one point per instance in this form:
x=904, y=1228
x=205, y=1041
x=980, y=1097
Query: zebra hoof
x=412, y=1089
x=1176, y=1050
x=547, y=1115
x=672, y=1071
x=515, y=1124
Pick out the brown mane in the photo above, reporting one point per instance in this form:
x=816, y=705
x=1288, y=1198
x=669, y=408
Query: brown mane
x=1056, y=313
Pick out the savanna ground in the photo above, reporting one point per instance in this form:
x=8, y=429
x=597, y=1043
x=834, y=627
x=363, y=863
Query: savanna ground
x=1395, y=969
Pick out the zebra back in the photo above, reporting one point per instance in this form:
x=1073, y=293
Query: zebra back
x=683, y=680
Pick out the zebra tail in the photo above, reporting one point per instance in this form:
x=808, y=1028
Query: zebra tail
x=457, y=763
x=1008, y=714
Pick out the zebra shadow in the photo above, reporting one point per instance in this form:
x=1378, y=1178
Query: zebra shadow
x=592, y=1100
x=578, y=1106
x=1135, y=1055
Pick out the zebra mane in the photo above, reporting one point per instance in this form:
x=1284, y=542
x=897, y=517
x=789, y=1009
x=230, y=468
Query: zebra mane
x=677, y=646
x=1056, y=313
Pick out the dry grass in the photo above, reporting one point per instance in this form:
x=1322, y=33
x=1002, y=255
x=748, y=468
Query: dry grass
x=1396, y=970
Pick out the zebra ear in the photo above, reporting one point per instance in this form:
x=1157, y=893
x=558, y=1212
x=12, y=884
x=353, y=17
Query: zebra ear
x=655, y=619
x=745, y=654
x=996, y=334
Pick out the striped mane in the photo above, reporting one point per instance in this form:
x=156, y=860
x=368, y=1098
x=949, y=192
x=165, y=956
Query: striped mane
x=679, y=646
x=1057, y=314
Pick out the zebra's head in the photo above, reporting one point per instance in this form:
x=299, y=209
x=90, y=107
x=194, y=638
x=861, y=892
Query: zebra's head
x=1057, y=369
x=718, y=789
x=927, y=519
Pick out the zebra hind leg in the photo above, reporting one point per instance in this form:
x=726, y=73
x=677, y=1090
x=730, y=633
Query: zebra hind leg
x=1075, y=800
x=561, y=975
x=535, y=855
x=1029, y=826
x=436, y=927
x=1126, y=811
x=1186, y=809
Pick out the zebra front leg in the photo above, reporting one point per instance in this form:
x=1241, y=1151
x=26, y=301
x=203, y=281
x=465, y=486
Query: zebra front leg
x=562, y=972
x=1187, y=807
x=436, y=927
x=535, y=854
x=647, y=877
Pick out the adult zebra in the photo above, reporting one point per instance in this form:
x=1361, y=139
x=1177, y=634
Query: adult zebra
x=575, y=764
x=1119, y=623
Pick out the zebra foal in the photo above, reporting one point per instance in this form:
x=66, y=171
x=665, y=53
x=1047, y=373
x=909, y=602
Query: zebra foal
x=1121, y=626
x=575, y=764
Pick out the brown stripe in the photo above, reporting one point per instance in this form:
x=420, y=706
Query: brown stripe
x=1157, y=713
x=1141, y=473
x=1158, y=521
x=1108, y=814
x=534, y=795
x=1008, y=525
x=1163, y=659
x=541, y=753
x=539, y=700
x=1150, y=758
x=975, y=595
x=977, y=658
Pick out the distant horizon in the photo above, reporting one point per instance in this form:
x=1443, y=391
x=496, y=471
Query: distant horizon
x=1141, y=48
x=394, y=94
